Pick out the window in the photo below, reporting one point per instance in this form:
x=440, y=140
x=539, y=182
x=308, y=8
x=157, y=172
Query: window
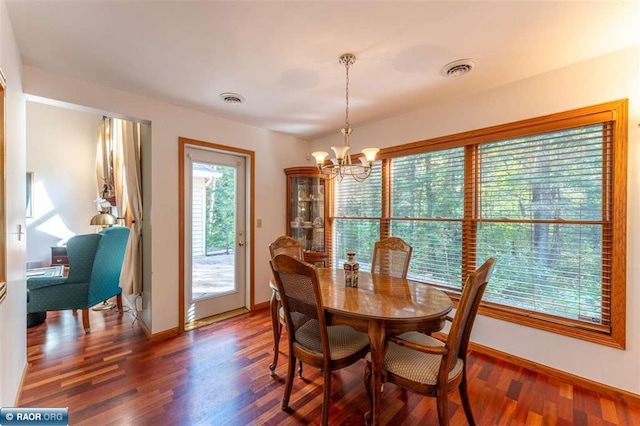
x=356, y=218
x=546, y=197
x=427, y=211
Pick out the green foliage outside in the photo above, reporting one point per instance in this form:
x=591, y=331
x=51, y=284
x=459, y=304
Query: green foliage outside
x=220, y=210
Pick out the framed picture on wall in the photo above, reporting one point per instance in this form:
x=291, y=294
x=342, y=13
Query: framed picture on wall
x=30, y=194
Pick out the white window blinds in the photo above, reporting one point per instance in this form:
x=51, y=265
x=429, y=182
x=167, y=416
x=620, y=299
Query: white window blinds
x=427, y=204
x=545, y=213
x=357, y=210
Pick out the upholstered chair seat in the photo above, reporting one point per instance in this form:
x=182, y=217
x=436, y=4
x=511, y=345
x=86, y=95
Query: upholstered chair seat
x=417, y=366
x=344, y=341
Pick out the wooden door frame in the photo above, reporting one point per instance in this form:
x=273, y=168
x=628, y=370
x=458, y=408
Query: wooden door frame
x=250, y=198
x=3, y=201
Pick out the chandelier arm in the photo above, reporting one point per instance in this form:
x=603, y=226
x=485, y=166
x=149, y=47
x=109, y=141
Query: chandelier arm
x=362, y=177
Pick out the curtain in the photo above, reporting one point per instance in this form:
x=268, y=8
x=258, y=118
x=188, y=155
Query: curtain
x=103, y=157
x=119, y=177
x=128, y=192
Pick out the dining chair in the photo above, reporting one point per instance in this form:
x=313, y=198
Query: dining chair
x=281, y=245
x=311, y=341
x=391, y=256
x=427, y=366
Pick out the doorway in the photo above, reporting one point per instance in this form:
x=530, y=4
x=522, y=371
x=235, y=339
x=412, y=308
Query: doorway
x=214, y=232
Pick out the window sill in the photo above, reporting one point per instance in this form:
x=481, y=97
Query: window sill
x=578, y=330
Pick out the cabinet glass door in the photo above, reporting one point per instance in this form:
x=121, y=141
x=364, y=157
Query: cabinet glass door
x=307, y=213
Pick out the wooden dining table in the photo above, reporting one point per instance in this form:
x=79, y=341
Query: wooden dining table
x=381, y=306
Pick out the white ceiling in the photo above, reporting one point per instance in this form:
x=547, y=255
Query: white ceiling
x=282, y=56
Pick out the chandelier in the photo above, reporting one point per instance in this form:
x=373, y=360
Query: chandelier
x=341, y=165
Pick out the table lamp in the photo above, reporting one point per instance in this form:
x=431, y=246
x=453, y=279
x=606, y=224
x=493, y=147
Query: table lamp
x=103, y=219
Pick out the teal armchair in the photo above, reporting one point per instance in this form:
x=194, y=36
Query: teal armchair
x=95, y=262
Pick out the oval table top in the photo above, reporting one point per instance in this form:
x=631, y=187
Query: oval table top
x=382, y=297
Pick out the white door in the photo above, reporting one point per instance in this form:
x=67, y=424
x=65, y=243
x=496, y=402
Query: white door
x=215, y=233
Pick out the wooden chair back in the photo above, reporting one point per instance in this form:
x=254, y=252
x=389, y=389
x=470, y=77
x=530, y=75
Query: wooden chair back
x=391, y=257
x=299, y=291
x=286, y=245
x=460, y=331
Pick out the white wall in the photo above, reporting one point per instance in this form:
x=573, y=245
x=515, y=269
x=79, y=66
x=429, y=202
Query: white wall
x=61, y=151
x=273, y=151
x=13, y=311
x=604, y=79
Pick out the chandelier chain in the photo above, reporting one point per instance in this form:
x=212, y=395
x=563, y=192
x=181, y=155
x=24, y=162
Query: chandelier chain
x=346, y=119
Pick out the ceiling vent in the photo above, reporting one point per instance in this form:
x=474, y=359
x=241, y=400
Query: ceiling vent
x=231, y=98
x=458, y=68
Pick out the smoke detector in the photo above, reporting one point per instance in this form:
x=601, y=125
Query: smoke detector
x=232, y=98
x=458, y=68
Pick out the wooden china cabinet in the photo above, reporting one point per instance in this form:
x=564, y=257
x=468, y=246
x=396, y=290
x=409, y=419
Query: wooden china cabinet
x=308, y=201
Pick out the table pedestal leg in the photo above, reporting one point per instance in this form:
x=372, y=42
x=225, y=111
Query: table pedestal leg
x=377, y=341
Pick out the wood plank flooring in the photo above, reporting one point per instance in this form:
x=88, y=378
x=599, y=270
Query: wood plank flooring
x=219, y=375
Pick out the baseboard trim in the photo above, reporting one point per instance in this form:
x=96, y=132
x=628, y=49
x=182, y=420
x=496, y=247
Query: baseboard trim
x=164, y=335
x=261, y=305
x=601, y=388
x=146, y=330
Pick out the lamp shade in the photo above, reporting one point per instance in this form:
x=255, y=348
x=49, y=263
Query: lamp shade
x=103, y=219
x=370, y=154
x=341, y=151
x=320, y=156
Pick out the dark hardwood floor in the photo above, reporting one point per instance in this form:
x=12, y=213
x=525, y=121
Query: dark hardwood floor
x=219, y=375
